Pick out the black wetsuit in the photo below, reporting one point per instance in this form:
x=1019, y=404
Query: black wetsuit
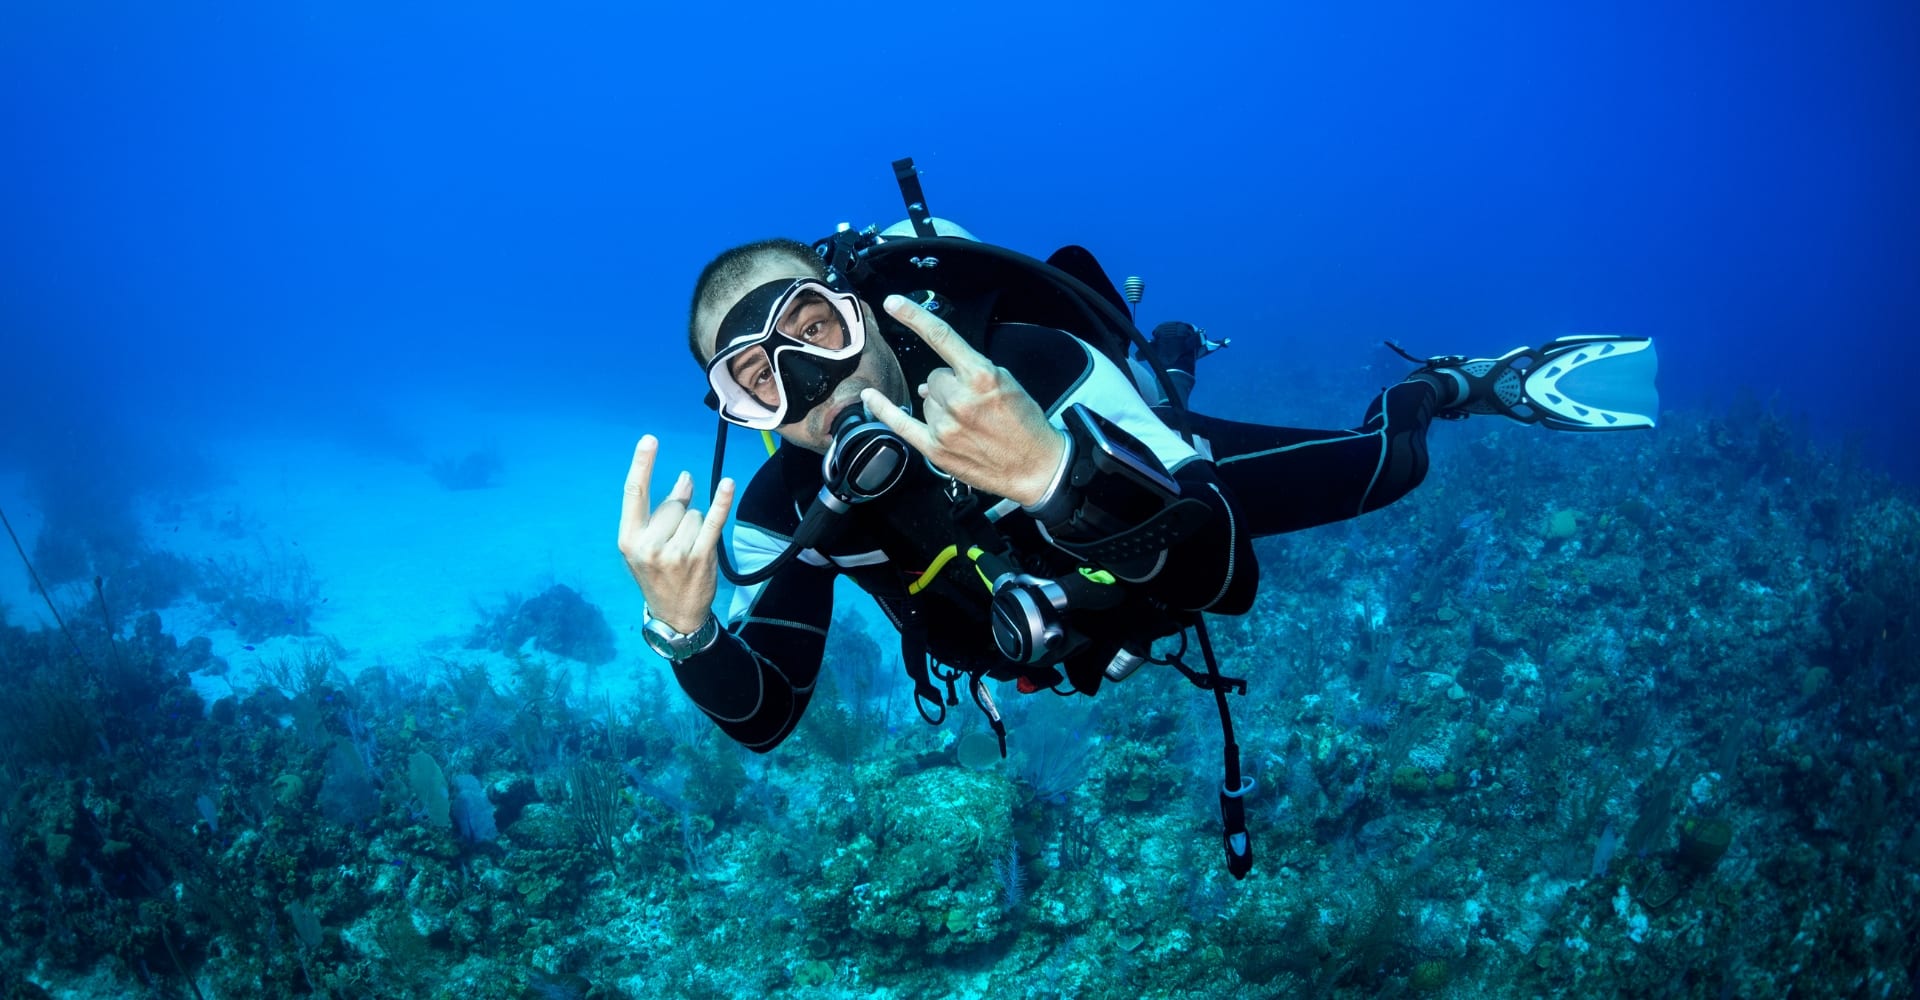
x=1292, y=478
x=757, y=678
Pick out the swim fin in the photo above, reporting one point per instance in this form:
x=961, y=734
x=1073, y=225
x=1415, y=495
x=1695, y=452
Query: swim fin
x=1586, y=382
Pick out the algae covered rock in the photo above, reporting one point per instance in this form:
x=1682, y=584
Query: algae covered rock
x=1484, y=675
x=1563, y=524
x=812, y=972
x=1410, y=782
x=1871, y=607
x=1703, y=841
x=932, y=888
x=1430, y=976
x=557, y=621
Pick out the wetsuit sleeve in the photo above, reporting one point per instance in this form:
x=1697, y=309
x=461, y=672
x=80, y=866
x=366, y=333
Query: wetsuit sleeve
x=1214, y=568
x=755, y=681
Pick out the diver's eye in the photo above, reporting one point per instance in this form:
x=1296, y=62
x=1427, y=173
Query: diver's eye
x=814, y=321
x=754, y=375
x=824, y=328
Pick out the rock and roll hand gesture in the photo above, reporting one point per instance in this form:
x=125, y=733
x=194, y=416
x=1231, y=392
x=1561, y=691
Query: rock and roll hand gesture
x=672, y=550
x=977, y=423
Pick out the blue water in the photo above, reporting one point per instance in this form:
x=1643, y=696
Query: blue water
x=280, y=210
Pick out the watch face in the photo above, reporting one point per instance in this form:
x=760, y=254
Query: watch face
x=672, y=645
x=658, y=643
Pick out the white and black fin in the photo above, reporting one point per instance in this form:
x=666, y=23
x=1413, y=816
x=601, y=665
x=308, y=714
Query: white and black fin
x=1586, y=382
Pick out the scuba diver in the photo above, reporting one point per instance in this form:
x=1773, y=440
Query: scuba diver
x=961, y=437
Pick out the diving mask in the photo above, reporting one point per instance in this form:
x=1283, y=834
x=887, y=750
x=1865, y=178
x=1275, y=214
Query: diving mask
x=783, y=349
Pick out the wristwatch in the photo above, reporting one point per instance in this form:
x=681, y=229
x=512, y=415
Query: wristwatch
x=679, y=646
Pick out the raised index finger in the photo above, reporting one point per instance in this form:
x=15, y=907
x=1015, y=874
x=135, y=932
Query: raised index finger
x=633, y=502
x=952, y=348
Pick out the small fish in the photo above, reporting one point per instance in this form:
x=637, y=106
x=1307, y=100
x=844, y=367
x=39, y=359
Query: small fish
x=232, y=624
x=247, y=648
x=324, y=600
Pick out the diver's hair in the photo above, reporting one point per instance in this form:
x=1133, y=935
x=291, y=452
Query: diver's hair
x=723, y=275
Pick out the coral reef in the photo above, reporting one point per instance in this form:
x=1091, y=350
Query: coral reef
x=1626, y=725
x=557, y=621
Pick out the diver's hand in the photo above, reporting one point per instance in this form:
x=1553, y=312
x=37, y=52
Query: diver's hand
x=980, y=425
x=673, y=551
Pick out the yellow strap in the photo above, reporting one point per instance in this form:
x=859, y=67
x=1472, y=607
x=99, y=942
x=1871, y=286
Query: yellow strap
x=940, y=562
x=766, y=438
x=974, y=554
x=933, y=569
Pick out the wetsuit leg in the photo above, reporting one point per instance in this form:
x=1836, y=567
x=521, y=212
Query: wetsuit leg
x=1288, y=478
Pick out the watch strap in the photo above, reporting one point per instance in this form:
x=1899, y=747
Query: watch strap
x=682, y=646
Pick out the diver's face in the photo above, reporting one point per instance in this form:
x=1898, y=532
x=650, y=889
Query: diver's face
x=809, y=319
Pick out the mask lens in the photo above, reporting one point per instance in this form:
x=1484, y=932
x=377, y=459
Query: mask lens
x=772, y=371
x=812, y=320
x=753, y=372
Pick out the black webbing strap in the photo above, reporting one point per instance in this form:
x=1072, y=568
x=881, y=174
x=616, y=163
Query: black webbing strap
x=913, y=655
x=1234, y=789
x=917, y=213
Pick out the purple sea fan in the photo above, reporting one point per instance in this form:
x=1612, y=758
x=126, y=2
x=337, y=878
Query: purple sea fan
x=473, y=815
